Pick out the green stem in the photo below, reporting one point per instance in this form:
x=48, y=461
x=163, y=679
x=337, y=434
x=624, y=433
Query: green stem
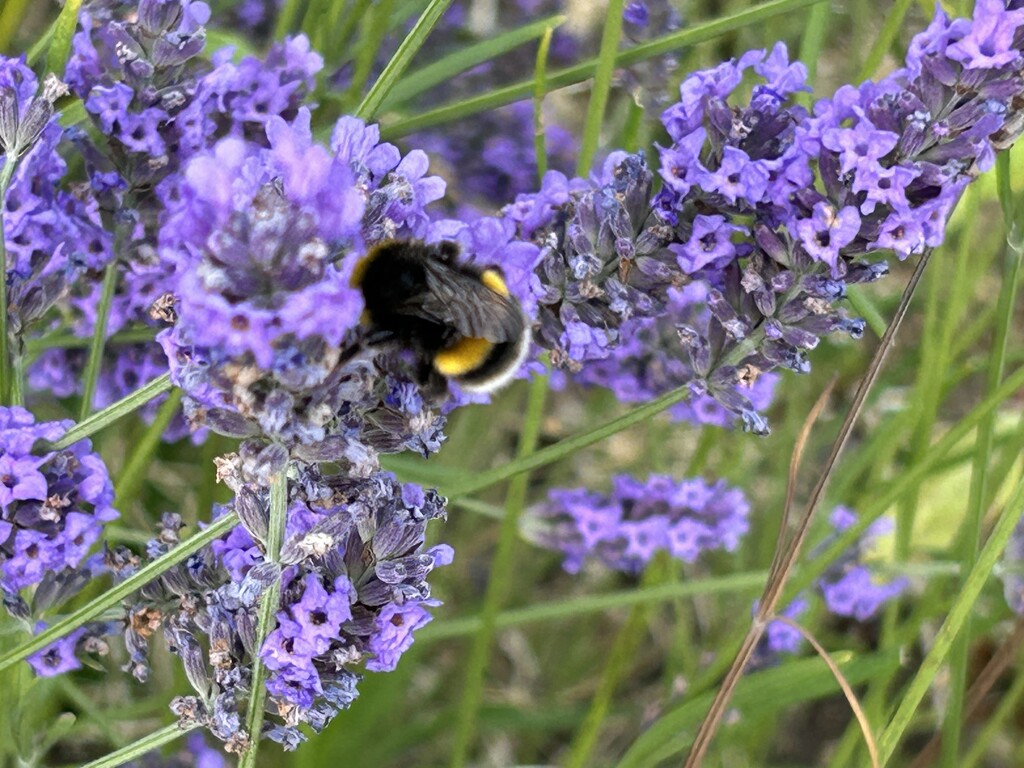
x=540, y=70
x=551, y=453
x=99, y=336
x=269, y=604
x=602, y=86
x=118, y=592
x=138, y=748
x=620, y=659
x=577, y=606
x=127, y=404
x=963, y=605
x=970, y=542
x=6, y=385
x=890, y=29
x=501, y=576
x=130, y=480
x=398, y=63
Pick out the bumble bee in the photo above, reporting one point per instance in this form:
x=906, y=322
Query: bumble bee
x=462, y=320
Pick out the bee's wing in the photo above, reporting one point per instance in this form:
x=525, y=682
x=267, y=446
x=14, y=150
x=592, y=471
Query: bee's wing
x=462, y=301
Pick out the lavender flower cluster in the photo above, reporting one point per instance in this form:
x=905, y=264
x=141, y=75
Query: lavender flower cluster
x=352, y=573
x=53, y=506
x=626, y=528
x=767, y=212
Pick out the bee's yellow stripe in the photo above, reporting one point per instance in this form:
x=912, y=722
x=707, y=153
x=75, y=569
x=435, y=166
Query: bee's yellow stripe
x=463, y=356
x=493, y=280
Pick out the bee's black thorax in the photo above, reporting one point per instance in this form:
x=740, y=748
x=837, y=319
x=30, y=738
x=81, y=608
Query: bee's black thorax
x=460, y=319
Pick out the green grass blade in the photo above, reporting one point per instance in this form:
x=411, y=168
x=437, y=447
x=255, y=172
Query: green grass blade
x=563, y=448
x=579, y=605
x=539, y=73
x=287, y=18
x=580, y=72
x=786, y=685
x=138, y=748
x=602, y=86
x=118, y=592
x=620, y=659
x=970, y=542
x=890, y=29
x=499, y=582
x=127, y=404
x=99, y=336
x=6, y=373
x=424, y=78
x=134, y=473
x=954, y=623
x=885, y=497
x=11, y=13
x=60, y=43
x=393, y=71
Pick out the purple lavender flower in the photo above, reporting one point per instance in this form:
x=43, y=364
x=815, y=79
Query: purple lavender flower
x=850, y=587
x=51, y=235
x=626, y=528
x=58, y=657
x=53, y=505
x=353, y=591
x=779, y=639
x=267, y=342
x=653, y=359
x=741, y=215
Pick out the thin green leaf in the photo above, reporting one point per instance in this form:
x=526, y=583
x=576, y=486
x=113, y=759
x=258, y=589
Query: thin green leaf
x=963, y=605
x=394, y=69
x=60, y=43
x=499, y=582
x=118, y=592
x=424, y=78
x=970, y=542
x=138, y=748
x=580, y=72
x=883, y=42
x=862, y=304
x=73, y=114
x=127, y=404
x=580, y=605
x=99, y=335
x=603, y=72
x=11, y=13
x=539, y=73
x=910, y=478
x=770, y=690
x=563, y=448
x=620, y=660
x=6, y=386
x=70, y=341
x=134, y=473
x=286, y=18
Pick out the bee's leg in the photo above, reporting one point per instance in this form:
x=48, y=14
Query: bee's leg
x=433, y=386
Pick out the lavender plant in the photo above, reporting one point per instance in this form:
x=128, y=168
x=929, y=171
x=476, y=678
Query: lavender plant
x=176, y=216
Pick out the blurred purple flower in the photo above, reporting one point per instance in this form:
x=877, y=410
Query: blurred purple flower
x=626, y=528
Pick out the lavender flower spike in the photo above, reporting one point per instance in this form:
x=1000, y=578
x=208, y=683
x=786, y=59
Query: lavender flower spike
x=624, y=529
x=768, y=211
